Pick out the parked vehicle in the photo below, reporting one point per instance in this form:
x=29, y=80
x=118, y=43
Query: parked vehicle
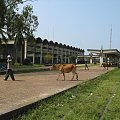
x=3, y=64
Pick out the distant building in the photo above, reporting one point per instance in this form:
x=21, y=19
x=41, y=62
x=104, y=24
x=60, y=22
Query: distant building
x=37, y=50
x=111, y=56
x=106, y=55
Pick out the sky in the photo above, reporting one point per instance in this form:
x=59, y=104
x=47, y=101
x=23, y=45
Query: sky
x=79, y=23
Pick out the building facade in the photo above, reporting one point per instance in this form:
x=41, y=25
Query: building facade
x=43, y=51
x=111, y=56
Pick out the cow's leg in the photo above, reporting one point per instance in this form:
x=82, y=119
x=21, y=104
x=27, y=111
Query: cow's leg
x=64, y=75
x=73, y=74
x=76, y=75
x=58, y=75
x=107, y=67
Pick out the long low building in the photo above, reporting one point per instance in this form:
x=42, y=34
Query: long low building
x=110, y=55
x=42, y=51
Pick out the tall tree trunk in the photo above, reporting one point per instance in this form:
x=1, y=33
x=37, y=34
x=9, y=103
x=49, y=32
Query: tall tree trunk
x=21, y=51
x=16, y=54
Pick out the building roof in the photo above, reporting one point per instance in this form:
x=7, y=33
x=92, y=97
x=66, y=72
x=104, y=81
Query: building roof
x=105, y=51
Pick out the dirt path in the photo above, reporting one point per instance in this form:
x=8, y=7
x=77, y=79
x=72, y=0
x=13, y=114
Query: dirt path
x=30, y=87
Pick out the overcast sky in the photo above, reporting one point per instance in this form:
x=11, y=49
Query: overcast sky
x=79, y=23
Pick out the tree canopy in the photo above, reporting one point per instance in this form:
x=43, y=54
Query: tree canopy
x=15, y=24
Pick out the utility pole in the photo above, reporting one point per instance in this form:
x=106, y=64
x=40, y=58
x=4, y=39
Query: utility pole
x=110, y=36
x=53, y=33
x=48, y=33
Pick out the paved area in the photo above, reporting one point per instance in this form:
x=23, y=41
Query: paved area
x=31, y=87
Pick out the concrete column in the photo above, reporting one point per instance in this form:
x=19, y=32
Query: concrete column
x=61, y=58
x=68, y=60
x=57, y=54
x=25, y=51
x=65, y=57
x=52, y=54
x=76, y=60
x=41, y=54
x=91, y=60
x=101, y=60
x=52, y=58
x=57, y=58
x=33, y=58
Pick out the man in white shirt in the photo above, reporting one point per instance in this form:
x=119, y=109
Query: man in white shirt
x=9, y=68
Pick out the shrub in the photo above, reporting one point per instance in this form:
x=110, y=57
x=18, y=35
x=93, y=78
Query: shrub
x=26, y=62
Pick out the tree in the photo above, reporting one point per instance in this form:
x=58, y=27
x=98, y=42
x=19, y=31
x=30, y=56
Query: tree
x=25, y=25
x=73, y=59
x=7, y=12
x=17, y=26
x=48, y=58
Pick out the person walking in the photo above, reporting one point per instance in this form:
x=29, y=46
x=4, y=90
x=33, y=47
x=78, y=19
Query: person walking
x=9, y=68
x=86, y=66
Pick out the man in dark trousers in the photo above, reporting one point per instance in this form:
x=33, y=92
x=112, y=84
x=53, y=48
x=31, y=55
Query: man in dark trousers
x=9, y=69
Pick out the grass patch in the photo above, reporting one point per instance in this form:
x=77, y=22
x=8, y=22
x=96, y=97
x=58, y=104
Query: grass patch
x=28, y=68
x=87, y=101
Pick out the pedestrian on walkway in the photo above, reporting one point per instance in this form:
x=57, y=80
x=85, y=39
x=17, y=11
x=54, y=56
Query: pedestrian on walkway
x=86, y=66
x=9, y=68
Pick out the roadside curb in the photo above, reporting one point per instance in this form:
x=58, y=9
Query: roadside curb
x=30, y=104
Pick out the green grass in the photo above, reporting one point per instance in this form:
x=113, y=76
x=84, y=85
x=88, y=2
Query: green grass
x=27, y=66
x=92, y=100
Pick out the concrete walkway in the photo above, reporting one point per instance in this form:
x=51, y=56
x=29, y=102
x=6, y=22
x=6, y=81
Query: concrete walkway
x=31, y=87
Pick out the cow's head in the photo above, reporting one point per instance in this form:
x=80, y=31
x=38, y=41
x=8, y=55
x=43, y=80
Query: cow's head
x=53, y=67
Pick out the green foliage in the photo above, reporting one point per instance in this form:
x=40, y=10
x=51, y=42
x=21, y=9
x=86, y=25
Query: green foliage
x=2, y=20
x=48, y=57
x=72, y=59
x=16, y=25
x=2, y=13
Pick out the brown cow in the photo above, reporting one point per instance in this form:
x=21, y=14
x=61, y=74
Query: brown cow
x=105, y=65
x=65, y=68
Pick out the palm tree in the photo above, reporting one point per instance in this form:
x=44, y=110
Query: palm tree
x=23, y=28
x=19, y=38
